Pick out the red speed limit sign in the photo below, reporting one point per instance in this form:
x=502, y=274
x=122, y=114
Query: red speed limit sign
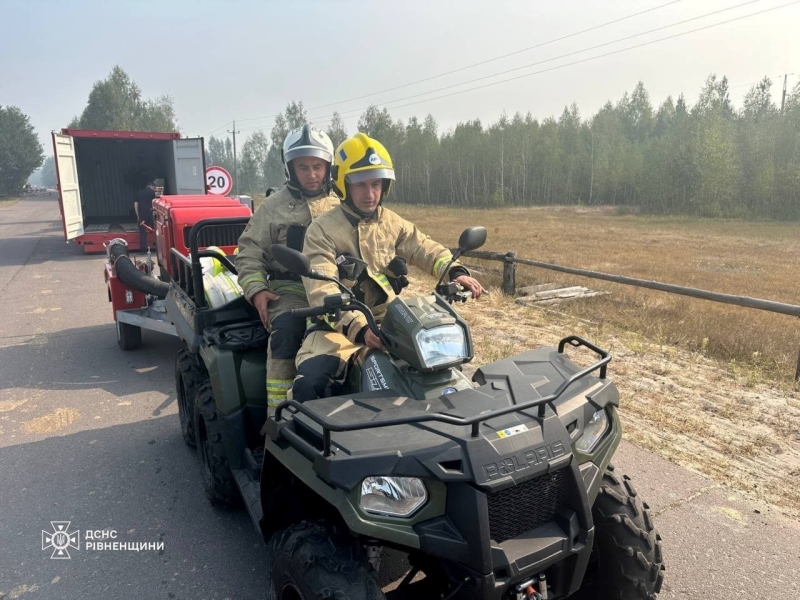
x=218, y=181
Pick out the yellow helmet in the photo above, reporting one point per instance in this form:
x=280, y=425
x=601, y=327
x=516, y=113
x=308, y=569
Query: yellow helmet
x=360, y=158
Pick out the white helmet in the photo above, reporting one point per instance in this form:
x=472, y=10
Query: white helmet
x=306, y=141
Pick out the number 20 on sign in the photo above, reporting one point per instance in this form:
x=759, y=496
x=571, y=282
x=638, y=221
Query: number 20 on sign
x=218, y=181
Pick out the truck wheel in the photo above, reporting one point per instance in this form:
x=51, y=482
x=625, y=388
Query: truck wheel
x=129, y=337
x=626, y=561
x=189, y=374
x=311, y=561
x=218, y=481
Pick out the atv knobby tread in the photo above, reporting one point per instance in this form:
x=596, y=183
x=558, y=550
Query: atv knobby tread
x=220, y=486
x=191, y=373
x=627, y=539
x=322, y=563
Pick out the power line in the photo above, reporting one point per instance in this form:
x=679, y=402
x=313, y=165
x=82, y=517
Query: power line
x=557, y=67
x=577, y=62
x=483, y=62
x=218, y=128
x=502, y=56
x=357, y=110
x=568, y=54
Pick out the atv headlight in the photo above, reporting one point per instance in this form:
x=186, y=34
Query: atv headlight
x=393, y=496
x=593, y=431
x=442, y=345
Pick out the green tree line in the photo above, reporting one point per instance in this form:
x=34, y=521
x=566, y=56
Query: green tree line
x=701, y=157
x=20, y=150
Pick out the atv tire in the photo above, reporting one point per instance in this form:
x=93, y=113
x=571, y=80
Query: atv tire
x=189, y=375
x=626, y=561
x=218, y=482
x=311, y=560
x=129, y=337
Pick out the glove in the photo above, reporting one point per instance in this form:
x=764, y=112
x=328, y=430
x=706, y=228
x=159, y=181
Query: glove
x=396, y=272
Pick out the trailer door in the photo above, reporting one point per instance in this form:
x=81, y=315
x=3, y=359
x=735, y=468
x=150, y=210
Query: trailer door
x=189, y=166
x=68, y=186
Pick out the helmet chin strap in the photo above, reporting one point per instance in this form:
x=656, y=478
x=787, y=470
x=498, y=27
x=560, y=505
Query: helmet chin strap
x=349, y=202
x=317, y=192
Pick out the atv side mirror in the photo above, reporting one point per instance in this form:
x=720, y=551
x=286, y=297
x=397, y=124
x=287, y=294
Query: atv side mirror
x=471, y=239
x=292, y=260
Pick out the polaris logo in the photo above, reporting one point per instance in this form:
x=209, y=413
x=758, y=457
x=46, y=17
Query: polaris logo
x=524, y=460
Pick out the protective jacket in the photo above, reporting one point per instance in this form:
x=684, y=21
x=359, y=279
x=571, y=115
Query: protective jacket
x=281, y=219
x=335, y=239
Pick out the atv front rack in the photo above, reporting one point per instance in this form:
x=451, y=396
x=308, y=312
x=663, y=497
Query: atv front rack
x=328, y=426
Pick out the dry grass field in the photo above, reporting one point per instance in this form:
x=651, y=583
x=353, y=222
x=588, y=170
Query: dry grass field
x=761, y=260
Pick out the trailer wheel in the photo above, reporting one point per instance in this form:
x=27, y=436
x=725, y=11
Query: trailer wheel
x=218, y=481
x=129, y=337
x=189, y=375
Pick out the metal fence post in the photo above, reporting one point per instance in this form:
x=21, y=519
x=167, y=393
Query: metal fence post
x=510, y=274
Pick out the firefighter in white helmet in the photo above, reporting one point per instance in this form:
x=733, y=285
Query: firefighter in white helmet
x=282, y=219
x=363, y=244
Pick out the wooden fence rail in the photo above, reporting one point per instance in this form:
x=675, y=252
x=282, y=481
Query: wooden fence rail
x=510, y=262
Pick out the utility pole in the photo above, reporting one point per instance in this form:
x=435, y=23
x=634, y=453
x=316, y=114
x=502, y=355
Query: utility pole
x=783, y=98
x=235, y=170
x=591, y=178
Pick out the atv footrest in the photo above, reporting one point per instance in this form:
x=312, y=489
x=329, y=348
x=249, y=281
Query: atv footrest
x=255, y=459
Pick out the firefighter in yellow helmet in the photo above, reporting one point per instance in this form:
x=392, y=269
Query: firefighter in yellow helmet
x=366, y=246
x=282, y=219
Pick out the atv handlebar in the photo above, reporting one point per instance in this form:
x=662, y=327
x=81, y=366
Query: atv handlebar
x=452, y=292
x=311, y=311
x=334, y=304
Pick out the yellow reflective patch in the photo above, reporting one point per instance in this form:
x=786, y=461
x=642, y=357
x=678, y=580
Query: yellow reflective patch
x=279, y=384
x=288, y=287
x=254, y=278
x=440, y=264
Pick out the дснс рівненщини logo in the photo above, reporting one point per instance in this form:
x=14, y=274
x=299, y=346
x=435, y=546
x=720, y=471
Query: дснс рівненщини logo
x=60, y=539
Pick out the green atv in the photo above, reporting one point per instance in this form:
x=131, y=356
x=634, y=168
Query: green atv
x=495, y=488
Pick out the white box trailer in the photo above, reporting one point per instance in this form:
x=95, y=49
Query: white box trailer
x=100, y=173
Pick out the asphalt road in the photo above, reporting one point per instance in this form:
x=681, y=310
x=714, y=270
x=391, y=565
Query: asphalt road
x=89, y=434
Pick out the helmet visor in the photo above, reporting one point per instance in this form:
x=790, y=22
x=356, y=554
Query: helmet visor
x=308, y=151
x=368, y=174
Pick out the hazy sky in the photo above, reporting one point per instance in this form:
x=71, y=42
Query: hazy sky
x=245, y=59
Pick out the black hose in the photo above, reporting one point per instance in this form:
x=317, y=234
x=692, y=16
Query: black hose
x=133, y=277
